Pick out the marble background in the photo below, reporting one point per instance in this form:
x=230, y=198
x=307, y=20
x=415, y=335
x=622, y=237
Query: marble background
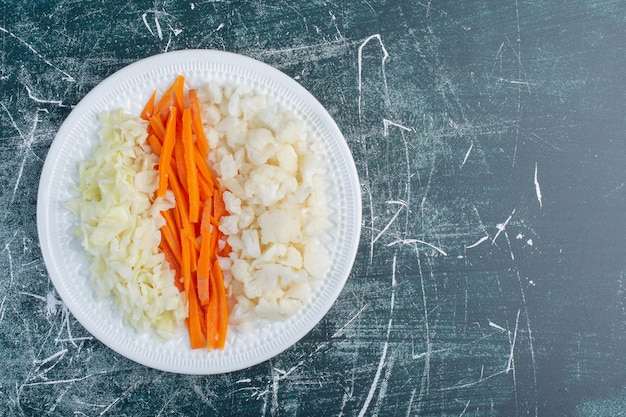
x=490, y=140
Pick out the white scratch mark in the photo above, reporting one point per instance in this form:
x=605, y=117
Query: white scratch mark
x=61, y=381
x=158, y=26
x=39, y=100
x=408, y=411
x=393, y=219
x=537, y=188
x=124, y=394
x=496, y=326
x=465, y=409
x=144, y=17
x=360, y=68
x=502, y=226
x=467, y=154
x=411, y=241
x=481, y=240
x=41, y=362
x=387, y=123
x=474, y=383
x=67, y=77
x=274, y=407
x=2, y=309
x=383, y=356
x=341, y=331
x=510, y=365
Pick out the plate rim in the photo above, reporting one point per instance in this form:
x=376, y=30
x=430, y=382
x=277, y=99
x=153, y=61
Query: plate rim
x=129, y=72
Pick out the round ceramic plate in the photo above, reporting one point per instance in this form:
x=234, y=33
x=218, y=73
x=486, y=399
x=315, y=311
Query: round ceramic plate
x=67, y=263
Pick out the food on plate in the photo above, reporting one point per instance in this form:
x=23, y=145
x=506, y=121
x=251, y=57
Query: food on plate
x=207, y=209
x=273, y=175
x=190, y=237
x=117, y=219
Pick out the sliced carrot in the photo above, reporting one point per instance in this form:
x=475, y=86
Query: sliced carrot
x=148, y=109
x=225, y=250
x=222, y=320
x=207, y=210
x=194, y=324
x=174, y=265
x=198, y=129
x=191, y=233
x=181, y=202
x=212, y=314
x=157, y=126
x=179, y=85
x=181, y=167
x=219, y=208
x=186, y=262
x=203, y=168
x=171, y=238
x=192, y=173
x=154, y=142
x=166, y=152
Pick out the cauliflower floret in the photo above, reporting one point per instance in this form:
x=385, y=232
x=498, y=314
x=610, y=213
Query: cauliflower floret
x=280, y=226
x=260, y=145
x=269, y=184
x=315, y=259
x=232, y=203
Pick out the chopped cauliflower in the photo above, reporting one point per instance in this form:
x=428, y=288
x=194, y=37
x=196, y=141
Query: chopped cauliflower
x=273, y=177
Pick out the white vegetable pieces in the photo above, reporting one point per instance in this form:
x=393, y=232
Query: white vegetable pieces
x=118, y=224
x=275, y=196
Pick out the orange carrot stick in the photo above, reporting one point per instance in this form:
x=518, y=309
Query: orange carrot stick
x=192, y=173
x=181, y=167
x=222, y=319
x=194, y=324
x=155, y=144
x=179, y=94
x=157, y=126
x=166, y=152
x=148, y=109
x=174, y=265
x=198, y=129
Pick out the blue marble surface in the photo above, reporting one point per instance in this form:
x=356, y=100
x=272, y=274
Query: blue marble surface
x=490, y=139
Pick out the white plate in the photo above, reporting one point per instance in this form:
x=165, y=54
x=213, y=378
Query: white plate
x=67, y=263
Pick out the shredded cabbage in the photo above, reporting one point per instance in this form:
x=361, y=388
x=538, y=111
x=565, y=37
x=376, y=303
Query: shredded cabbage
x=119, y=221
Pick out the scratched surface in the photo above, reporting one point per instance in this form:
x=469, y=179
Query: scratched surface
x=490, y=140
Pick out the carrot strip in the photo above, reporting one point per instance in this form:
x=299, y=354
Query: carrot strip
x=162, y=108
x=179, y=85
x=166, y=152
x=172, y=239
x=206, y=214
x=181, y=202
x=219, y=208
x=157, y=126
x=174, y=265
x=185, y=264
x=198, y=130
x=222, y=303
x=212, y=313
x=154, y=142
x=181, y=167
x=192, y=174
x=226, y=250
x=148, y=109
x=194, y=324
x=204, y=269
x=204, y=170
